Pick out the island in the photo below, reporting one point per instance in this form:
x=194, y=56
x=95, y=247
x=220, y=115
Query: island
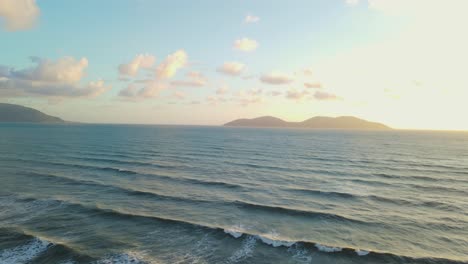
x=318, y=122
x=20, y=114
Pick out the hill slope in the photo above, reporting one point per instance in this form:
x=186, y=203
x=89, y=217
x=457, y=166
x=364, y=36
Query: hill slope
x=319, y=122
x=18, y=113
x=264, y=121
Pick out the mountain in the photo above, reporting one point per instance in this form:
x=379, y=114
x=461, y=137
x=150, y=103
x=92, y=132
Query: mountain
x=319, y=122
x=18, y=113
x=264, y=121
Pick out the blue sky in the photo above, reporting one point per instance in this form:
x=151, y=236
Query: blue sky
x=363, y=58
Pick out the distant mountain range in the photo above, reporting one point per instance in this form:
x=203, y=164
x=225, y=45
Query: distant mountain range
x=319, y=122
x=18, y=113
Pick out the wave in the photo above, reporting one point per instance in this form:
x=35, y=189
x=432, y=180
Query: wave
x=25, y=247
x=24, y=253
x=152, y=175
x=322, y=193
x=418, y=177
x=374, y=256
x=36, y=249
x=116, y=189
x=327, y=249
x=235, y=186
x=299, y=212
x=272, y=239
x=246, y=250
x=131, y=191
x=254, y=206
x=396, y=201
x=125, y=258
x=80, y=166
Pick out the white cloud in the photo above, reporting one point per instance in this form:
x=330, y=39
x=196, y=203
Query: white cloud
x=251, y=19
x=59, y=78
x=308, y=72
x=194, y=79
x=325, y=96
x=232, y=68
x=276, y=78
x=222, y=90
x=144, y=61
x=274, y=93
x=169, y=67
x=151, y=89
x=245, y=44
x=294, y=94
x=18, y=14
x=63, y=70
x=143, y=90
x=130, y=91
x=313, y=85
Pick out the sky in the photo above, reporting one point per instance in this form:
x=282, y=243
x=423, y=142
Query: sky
x=207, y=62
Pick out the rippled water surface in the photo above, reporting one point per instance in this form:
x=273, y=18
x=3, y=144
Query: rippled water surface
x=175, y=194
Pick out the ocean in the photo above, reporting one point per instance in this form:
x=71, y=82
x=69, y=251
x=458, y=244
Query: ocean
x=81, y=193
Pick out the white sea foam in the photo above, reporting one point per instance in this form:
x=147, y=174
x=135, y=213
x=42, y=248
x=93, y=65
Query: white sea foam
x=300, y=254
x=235, y=231
x=124, y=258
x=273, y=239
x=68, y=262
x=24, y=253
x=327, y=248
x=248, y=246
x=276, y=243
x=361, y=252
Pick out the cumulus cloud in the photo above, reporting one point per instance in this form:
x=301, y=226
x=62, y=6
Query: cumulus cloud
x=130, y=91
x=59, y=78
x=148, y=89
x=245, y=44
x=63, y=70
x=313, y=85
x=308, y=72
x=251, y=19
x=325, y=96
x=232, y=68
x=194, y=79
x=222, y=90
x=18, y=14
x=169, y=67
x=276, y=78
x=294, y=94
x=275, y=93
x=144, y=61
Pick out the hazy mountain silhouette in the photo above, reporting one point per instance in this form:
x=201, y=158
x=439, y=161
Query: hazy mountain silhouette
x=18, y=113
x=342, y=122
